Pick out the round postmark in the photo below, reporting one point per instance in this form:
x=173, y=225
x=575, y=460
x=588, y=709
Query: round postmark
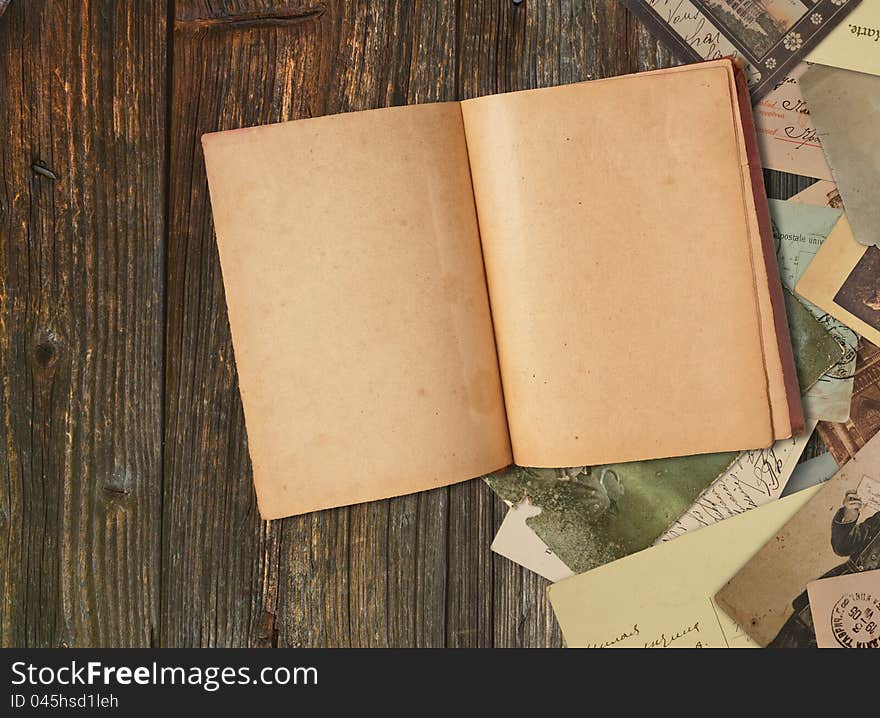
x=855, y=620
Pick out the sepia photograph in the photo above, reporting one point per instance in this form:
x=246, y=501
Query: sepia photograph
x=860, y=294
x=854, y=537
x=836, y=533
x=757, y=24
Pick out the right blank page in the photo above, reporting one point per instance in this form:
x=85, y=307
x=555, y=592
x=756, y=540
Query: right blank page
x=628, y=292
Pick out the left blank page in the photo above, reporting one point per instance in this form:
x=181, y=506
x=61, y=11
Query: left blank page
x=358, y=306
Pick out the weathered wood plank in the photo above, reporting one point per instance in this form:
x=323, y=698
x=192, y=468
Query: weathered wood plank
x=82, y=171
x=220, y=569
x=522, y=614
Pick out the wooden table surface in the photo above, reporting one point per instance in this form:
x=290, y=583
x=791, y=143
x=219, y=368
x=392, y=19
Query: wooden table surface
x=127, y=513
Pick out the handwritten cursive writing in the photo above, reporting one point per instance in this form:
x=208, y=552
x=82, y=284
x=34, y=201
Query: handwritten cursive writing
x=693, y=28
x=622, y=637
x=804, y=135
x=797, y=105
x=664, y=641
x=787, y=80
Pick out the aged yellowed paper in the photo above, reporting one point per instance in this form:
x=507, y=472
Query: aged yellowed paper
x=612, y=275
x=358, y=306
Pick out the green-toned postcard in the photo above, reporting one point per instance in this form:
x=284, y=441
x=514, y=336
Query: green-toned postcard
x=799, y=231
x=815, y=349
x=593, y=515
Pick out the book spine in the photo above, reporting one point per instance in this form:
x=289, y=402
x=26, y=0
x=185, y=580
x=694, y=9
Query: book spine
x=780, y=321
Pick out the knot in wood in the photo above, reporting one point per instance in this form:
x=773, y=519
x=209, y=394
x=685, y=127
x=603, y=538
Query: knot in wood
x=47, y=349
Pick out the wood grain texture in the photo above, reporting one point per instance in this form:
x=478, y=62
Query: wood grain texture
x=109, y=538
x=220, y=561
x=82, y=120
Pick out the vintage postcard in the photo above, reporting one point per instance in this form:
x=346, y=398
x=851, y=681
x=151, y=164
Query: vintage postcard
x=855, y=43
x=517, y=542
x=799, y=231
x=823, y=193
x=755, y=478
x=662, y=597
x=840, y=281
x=769, y=36
x=836, y=533
x=846, y=438
x=845, y=110
x=846, y=610
x=787, y=140
x=590, y=516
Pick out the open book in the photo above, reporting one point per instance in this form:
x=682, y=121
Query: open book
x=558, y=277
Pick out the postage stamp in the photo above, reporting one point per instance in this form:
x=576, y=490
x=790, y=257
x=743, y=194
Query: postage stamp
x=855, y=620
x=846, y=610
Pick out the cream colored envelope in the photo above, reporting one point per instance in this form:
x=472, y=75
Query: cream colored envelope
x=662, y=597
x=843, y=280
x=846, y=610
x=855, y=43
